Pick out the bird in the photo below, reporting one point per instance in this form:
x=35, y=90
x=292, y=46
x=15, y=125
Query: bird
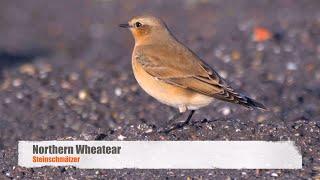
x=173, y=74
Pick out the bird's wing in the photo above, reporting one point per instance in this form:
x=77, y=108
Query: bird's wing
x=182, y=68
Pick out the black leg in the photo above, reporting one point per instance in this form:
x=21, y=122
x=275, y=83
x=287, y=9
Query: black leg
x=170, y=121
x=189, y=117
x=179, y=125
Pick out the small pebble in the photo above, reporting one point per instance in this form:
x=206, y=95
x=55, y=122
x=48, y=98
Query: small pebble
x=235, y=55
x=260, y=47
x=27, y=69
x=223, y=74
x=45, y=68
x=291, y=66
x=226, y=58
x=60, y=102
x=83, y=94
x=226, y=111
x=16, y=82
x=118, y=91
x=19, y=95
x=257, y=172
x=43, y=75
x=104, y=98
x=149, y=131
x=74, y=76
x=274, y=175
x=261, y=119
x=120, y=137
x=134, y=88
x=65, y=85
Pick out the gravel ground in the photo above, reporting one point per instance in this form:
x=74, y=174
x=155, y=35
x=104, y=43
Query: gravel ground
x=65, y=73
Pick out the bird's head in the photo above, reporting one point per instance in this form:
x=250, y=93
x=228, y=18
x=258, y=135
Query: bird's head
x=147, y=28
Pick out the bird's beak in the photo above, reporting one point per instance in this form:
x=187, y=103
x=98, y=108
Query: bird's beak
x=125, y=25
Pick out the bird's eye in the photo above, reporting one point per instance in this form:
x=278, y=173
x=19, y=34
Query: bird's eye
x=137, y=24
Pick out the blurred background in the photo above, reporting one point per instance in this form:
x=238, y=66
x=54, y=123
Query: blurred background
x=65, y=66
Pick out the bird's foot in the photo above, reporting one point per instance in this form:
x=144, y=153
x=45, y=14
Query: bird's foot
x=178, y=125
x=175, y=126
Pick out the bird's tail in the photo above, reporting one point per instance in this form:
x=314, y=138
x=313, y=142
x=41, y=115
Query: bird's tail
x=230, y=95
x=251, y=103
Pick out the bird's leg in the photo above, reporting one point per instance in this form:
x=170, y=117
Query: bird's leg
x=179, y=125
x=187, y=121
x=189, y=117
x=170, y=121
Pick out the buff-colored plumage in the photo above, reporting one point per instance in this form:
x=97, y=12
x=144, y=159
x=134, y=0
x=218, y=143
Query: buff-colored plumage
x=173, y=74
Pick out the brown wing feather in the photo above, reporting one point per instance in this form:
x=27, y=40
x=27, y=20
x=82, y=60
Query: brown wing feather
x=194, y=84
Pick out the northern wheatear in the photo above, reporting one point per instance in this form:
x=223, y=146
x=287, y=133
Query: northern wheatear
x=171, y=73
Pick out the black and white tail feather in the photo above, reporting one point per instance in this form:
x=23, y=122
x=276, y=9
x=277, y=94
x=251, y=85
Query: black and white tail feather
x=229, y=94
